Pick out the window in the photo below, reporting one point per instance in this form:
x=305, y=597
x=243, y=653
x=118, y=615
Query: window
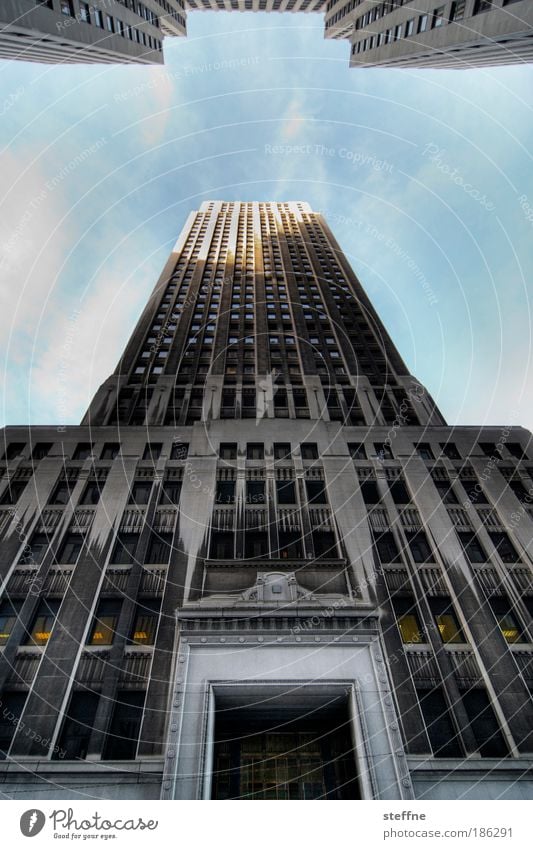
x=145, y=622
x=255, y=492
x=419, y=547
x=286, y=492
x=520, y=491
x=33, y=553
x=170, y=492
x=424, y=451
x=61, y=493
x=124, y=549
x=222, y=545
x=482, y=6
x=472, y=547
x=77, y=726
x=91, y=493
x=357, y=450
x=255, y=545
x=179, y=451
x=438, y=17
x=316, y=493
x=13, y=492
x=70, y=549
x=12, y=707
x=152, y=451
x=409, y=27
x=85, y=15
x=41, y=450
x=449, y=449
x=255, y=451
x=490, y=450
x=386, y=547
x=66, y=8
x=446, y=620
x=504, y=547
x=324, y=545
x=83, y=451
x=516, y=450
x=506, y=619
x=383, y=451
x=228, y=451
x=309, y=451
x=43, y=622
x=105, y=623
x=422, y=23
x=457, y=12
x=14, y=450
x=109, y=23
x=369, y=491
x=290, y=545
x=399, y=493
x=9, y=611
x=282, y=450
x=446, y=492
x=140, y=492
x=159, y=548
x=225, y=492
x=484, y=725
x=110, y=450
x=123, y=736
x=439, y=726
x=407, y=619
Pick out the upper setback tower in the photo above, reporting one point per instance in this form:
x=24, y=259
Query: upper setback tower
x=263, y=566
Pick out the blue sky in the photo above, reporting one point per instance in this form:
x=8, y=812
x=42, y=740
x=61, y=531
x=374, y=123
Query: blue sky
x=424, y=176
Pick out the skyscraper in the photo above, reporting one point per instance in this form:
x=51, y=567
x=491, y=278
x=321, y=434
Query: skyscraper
x=263, y=566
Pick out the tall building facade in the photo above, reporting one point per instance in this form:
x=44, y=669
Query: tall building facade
x=264, y=566
x=464, y=33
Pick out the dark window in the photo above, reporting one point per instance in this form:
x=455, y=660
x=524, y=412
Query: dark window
x=516, y=450
x=357, y=450
x=484, y=725
x=70, y=549
x=255, y=492
x=225, y=492
x=399, y=493
x=507, y=621
x=222, y=545
x=472, y=547
x=180, y=451
x=159, y=548
x=34, y=552
x=43, y=622
x=369, y=491
x=520, y=491
x=386, y=547
x=446, y=492
x=282, y=450
x=408, y=620
x=140, y=492
x=14, y=450
x=12, y=707
x=61, y=493
x=255, y=451
x=490, y=450
x=77, y=726
x=473, y=490
x=383, y=451
x=145, y=622
x=255, y=544
x=110, y=450
x=170, y=492
x=124, y=549
x=228, y=451
x=83, y=451
x=316, y=492
x=424, y=451
x=152, y=451
x=449, y=449
x=442, y=736
x=105, y=623
x=309, y=451
x=91, y=493
x=446, y=620
x=13, y=492
x=41, y=450
x=419, y=547
x=290, y=545
x=9, y=611
x=286, y=492
x=324, y=544
x=123, y=736
x=504, y=547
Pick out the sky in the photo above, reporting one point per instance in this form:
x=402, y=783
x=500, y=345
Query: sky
x=424, y=176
